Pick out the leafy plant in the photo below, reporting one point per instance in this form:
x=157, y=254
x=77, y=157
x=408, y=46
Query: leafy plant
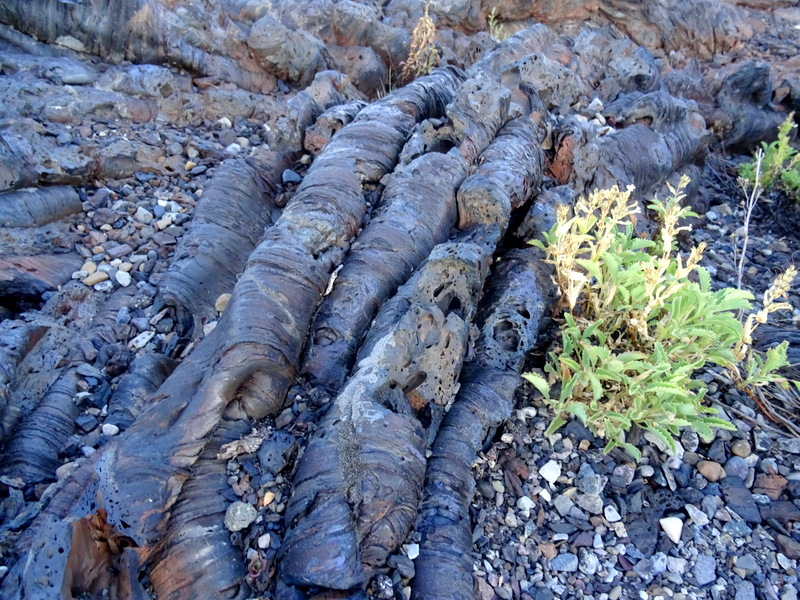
x=780, y=164
x=762, y=370
x=423, y=56
x=636, y=324
x=496, y=30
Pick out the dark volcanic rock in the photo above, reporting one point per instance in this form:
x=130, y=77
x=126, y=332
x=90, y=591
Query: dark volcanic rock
x=739, y=499
x=26, y=278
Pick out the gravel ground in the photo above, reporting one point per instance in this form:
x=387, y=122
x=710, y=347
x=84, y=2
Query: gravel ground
x=556, y=517
x=552, y=516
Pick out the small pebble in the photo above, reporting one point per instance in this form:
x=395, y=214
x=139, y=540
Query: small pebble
x=698, y=516
x=95, y=278
x=525, y=504
x=412, y=551
x=123, y=278
x=240, y=515
x=711, y=470
x=104, y=286
x=741, y=448
x=611, y=514
x=141, y=340
x=143, y=215
x=290, y=176
x=673, y=527
x=550, y=471
x=566, y=562
x=222, y=303
x=110, y=430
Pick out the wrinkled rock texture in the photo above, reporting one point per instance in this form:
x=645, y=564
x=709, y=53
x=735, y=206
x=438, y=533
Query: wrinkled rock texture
x=262, y=308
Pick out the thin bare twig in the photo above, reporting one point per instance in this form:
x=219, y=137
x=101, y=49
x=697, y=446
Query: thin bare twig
x=751, y=199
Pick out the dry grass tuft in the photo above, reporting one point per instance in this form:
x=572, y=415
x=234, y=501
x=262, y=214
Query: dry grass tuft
x=423, y=55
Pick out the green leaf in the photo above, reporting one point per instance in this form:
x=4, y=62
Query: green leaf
x=539, y=382
x=632, y=450
x=566, y=389
x=578, y=409
x=538, y=244
x=721, y=423
x=554, y=426
x=776, y=357
x=671, y=390
x=705, y=278
x=607, y=375
x=640, y=244
x=573, y=365
x=704, y=431
x=592, y=268
x=662, y=434
x=597, y=387
x=732, y=299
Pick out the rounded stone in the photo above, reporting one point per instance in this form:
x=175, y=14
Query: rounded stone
x=240, y=515
x=736, y=466
x=741, y=448
x=222, y=302
x=711, y=470
x=566, y=562
x=123, y=278
x=611, y=514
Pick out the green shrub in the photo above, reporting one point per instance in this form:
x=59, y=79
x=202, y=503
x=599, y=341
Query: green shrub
x=636, y=324
x=779, y=165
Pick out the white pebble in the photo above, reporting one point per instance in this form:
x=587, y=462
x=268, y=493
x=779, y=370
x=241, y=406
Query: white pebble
x=550, y=471
x=104, y=286
x=123, y=278
x=140, y=341
x=595, y=105
x=143, y=215
x=110, y=430
x=65, y=469
x=611, y=514
x=412, y=551
x=673, y=527
x=525, y=504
